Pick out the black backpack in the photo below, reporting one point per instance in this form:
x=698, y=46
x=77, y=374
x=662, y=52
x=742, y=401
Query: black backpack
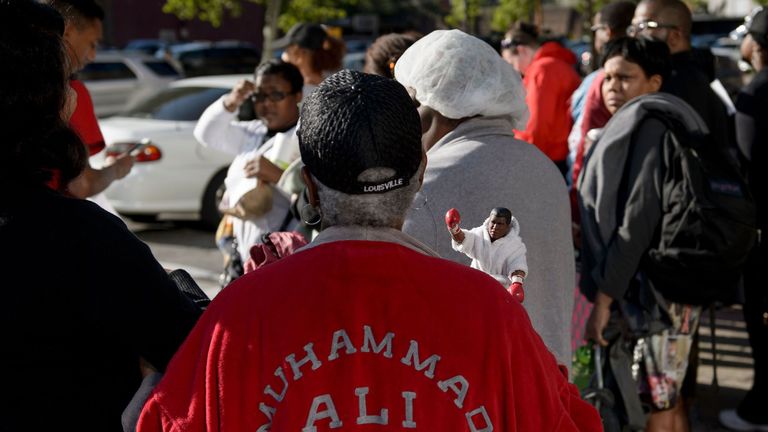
x=708, y=225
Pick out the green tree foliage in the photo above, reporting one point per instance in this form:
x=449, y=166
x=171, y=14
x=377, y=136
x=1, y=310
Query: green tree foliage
x=290, y=11
x=283, y=14
x=510, y=11
x=296, y=11
x=212, y=11
x=464, y=13
x=583, y=6
x=329, y=10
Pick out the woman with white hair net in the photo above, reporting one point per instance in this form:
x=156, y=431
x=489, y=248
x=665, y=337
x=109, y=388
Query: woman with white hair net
x=469, y=101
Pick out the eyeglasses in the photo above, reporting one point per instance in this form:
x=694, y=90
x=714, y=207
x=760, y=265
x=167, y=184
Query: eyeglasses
x=275, y=96
x=647, y=25
x=597, y=27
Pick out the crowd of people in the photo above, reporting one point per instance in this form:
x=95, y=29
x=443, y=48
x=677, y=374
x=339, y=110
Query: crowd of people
x=369, y=313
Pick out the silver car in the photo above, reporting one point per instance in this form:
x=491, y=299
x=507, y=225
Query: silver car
x=117, y=80
x=174, y=177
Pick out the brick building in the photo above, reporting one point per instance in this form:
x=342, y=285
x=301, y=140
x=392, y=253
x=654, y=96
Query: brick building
x=145, y=19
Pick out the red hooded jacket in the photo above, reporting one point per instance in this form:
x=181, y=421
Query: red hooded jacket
x=549, y=81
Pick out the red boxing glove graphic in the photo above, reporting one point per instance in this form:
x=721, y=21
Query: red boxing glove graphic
x=516, y=289
x=452, y=220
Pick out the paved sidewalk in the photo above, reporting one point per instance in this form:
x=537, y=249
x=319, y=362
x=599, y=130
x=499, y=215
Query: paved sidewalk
x=734, y=368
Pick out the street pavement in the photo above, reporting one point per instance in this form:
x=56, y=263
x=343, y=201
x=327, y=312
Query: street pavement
x=184, y=246
x=734, y=368
x=180, y=246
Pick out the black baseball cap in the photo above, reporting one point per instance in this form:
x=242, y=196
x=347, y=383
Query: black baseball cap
x=305, y=35
x=354, y=122
x=758, y=27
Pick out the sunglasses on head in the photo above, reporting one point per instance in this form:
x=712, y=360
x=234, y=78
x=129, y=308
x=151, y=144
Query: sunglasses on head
x=275, y=96
x=509, y=43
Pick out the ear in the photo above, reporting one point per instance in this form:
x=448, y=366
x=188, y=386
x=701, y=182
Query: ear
x=759, y=51
x=655, y=82
x=423, y=167
x=314, y=198
x=69, y=28
x=677, y=40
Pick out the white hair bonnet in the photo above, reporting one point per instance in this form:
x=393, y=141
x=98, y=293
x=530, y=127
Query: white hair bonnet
x=460, y=76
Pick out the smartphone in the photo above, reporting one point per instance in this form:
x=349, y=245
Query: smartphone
x=132, y=148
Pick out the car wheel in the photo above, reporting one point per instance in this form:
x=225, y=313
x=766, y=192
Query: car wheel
x=209, y=211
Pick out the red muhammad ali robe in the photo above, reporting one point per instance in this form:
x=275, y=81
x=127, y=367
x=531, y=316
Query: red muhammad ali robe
x=365, y=335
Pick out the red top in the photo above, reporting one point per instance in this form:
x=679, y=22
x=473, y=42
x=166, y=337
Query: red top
x=352, y=333
x=550, y=81
x=596, y=115
x=84, y=121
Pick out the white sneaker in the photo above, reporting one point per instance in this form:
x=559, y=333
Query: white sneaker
x=731, y=420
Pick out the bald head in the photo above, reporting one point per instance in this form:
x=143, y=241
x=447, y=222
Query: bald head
x=617, y=16
x=673, y=22
x=611, y=22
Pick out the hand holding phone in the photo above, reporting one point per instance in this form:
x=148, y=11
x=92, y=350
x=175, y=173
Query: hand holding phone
x=131, y=149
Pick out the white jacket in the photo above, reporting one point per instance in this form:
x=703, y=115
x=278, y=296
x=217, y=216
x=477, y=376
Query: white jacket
x=499, y=258
x=219, y=129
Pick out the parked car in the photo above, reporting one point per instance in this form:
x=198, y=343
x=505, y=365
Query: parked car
x=707, y=30
x=354, y=61
x=174, y=176
x=358, y=45
x=118, y=80
x=146, y=46
x=721, y=36
x=213, y=58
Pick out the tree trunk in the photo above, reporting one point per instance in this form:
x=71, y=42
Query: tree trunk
x=271, y=14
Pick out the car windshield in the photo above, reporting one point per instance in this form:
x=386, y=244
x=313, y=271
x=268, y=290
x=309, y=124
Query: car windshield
x=178, y=104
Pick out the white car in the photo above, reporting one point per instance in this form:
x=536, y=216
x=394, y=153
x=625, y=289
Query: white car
x=174, y=177
x=119, y=80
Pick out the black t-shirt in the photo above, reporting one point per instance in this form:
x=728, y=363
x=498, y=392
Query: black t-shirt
x=689, y=79
x=752, y=137
x=83, y=300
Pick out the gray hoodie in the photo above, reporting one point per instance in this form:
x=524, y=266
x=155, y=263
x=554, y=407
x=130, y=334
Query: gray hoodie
x=629, y=155
x=479, y=166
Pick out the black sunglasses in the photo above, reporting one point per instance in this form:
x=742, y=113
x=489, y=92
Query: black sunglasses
x=275, y=96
